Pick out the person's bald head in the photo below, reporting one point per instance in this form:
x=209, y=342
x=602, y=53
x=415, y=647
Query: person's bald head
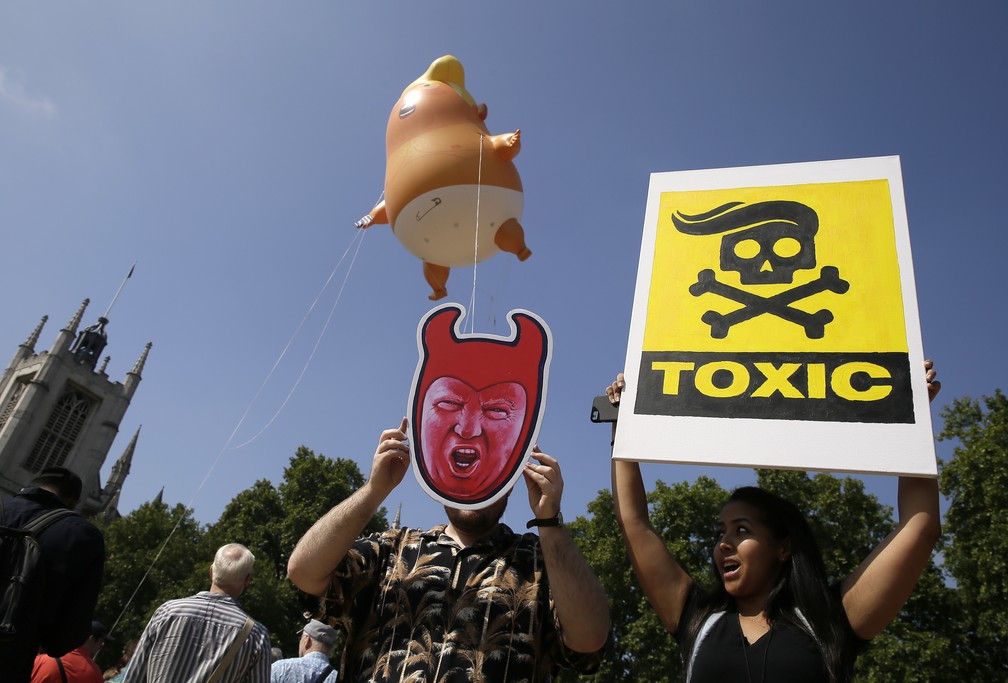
x=232, y=568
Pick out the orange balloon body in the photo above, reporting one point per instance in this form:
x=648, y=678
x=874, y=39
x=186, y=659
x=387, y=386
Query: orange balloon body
x=452, y=193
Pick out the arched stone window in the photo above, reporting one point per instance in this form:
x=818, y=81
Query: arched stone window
x=60, y=432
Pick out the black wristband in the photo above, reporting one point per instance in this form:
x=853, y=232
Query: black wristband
x=549, y=521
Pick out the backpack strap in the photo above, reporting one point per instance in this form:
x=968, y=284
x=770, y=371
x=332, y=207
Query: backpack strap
x=704, y=632
x=37, y=524
x=324, y=674
x=44, y=520
x=808, y=628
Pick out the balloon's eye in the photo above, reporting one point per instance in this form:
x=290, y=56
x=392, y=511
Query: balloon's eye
x=409, y=104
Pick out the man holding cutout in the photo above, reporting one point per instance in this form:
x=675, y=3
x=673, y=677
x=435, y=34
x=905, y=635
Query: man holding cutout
x=469, y=599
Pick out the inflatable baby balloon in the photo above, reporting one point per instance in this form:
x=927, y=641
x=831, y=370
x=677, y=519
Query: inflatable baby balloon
x=444, y=172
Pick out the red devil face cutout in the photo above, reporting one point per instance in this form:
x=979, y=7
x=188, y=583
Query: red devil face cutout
x=476, y=405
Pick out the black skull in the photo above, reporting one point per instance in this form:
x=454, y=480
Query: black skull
x=769, y=253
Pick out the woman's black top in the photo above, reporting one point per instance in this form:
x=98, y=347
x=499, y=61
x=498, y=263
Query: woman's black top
x=784, y=654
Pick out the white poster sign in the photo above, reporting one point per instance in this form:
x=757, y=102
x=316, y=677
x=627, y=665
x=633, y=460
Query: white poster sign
x=775, y=322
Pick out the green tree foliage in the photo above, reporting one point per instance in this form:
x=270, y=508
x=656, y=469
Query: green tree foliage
x=976, y=553
x=270, y=520
x=253, y=518
x=137, y=579
x=312, y=484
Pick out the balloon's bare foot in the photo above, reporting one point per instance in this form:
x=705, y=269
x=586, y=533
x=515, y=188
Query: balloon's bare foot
x=437, y=278
x=510, y=237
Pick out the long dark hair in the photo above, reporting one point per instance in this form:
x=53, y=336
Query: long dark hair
x=802, y=585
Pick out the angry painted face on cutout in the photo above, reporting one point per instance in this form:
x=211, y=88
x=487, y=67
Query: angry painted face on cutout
x=475, y=406
x=469, y=436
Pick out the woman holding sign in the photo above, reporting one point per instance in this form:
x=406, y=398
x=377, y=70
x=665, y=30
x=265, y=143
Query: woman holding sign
x=772, y=615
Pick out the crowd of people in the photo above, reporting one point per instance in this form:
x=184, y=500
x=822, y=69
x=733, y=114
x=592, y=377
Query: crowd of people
x=471, y=599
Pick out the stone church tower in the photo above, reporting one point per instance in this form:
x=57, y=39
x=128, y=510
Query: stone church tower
x=57, y=410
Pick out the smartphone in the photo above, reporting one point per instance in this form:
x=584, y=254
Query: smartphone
x=604, y=411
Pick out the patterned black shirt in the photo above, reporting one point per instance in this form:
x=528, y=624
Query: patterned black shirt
x=415, y=606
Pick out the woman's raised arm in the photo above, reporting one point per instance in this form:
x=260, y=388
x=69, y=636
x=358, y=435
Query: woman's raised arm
x=875, y=593
x=663, y=579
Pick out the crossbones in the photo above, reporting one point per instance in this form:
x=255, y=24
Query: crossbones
x=779, y=304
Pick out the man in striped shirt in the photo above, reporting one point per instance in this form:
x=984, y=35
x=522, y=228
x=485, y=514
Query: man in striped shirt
x=188, y=639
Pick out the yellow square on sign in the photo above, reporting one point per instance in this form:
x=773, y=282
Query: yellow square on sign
x=775, y=322
x=847, y=231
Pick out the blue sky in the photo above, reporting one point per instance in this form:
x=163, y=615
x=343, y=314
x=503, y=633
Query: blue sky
x=227, y=147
